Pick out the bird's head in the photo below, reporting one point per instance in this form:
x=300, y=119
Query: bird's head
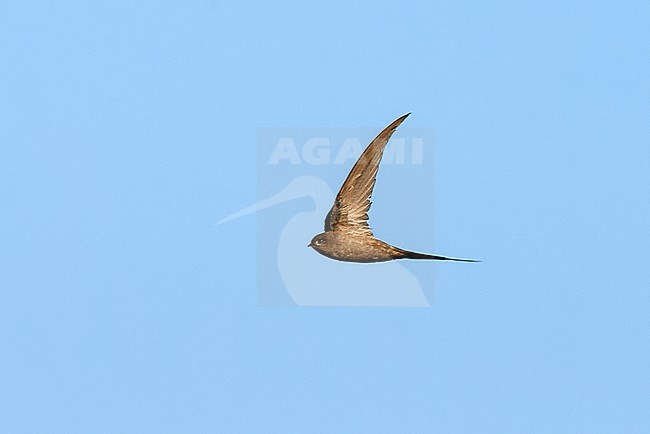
x=319, y=240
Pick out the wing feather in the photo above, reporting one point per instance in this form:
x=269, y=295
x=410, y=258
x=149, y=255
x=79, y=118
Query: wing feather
x=350, y=210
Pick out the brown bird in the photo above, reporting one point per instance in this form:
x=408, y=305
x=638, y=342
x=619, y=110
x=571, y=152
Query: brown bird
x=347, y=236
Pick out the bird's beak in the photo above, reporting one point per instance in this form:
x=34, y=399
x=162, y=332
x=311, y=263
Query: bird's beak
x=310, y=245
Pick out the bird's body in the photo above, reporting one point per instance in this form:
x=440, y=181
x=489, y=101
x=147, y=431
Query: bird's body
x=340, y=246
x=347, y=248
x=347, y=235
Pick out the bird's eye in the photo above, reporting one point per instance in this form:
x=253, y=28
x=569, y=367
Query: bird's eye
x=319, y=242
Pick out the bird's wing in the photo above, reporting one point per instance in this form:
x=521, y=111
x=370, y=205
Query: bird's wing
x=350, y=210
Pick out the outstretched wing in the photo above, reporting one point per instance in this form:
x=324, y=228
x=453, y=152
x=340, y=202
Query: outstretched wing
x=350, y=210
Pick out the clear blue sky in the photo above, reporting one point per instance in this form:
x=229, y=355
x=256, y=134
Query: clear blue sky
x=128, y=129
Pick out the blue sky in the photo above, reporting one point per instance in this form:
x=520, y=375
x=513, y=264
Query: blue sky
x=128, y=129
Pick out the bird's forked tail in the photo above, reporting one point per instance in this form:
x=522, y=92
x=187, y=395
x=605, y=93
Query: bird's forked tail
x=414, y=255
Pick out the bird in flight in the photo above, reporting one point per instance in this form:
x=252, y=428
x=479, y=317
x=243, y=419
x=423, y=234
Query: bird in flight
x=347, y=235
